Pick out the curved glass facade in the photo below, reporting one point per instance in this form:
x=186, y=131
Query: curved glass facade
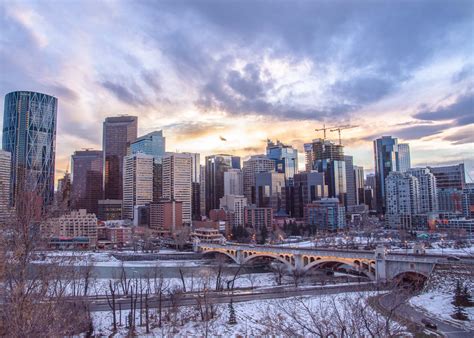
x=29, y=134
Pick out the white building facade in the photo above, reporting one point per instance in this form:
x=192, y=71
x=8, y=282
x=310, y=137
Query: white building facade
x=177, y=181
x=137, y=182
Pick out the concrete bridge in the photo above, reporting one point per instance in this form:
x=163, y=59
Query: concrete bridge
x=378, y=265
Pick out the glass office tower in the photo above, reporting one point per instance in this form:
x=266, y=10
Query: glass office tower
x=153, y=144
x=328, y=158
x=404, y=159
x=216, y=165
x=386, y=160
x=285, y=157
x=87, y=179
x=119, y=132
x=29, y=134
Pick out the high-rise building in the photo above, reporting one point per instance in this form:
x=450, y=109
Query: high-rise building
x=216, y=165
x=308, y=187
x=62, y=197
x=285, y=158
x=118, y=134
x=177, y=181
x=351, y=198
x=29, y=134
x=141, y=215
x=196, y=185
x=233, y=182
x=359, y=184
x=202, y=190
x=235, y=206
x=153, y=143
x=370, y=181
x=258, y=218
x=166, y=216
x=450, y=176
x=403, y=199
x=386, y=161
x=5, y=172
x=255, y=164
x=308, y=156
x=87, y=182
x=450, y=182
x=328, y=158
x=468, y=200
x=450, y=200
x=428, y=193
x=325, y=214
x=269, y=188
x=109, y=210
x=404, y=160
x=137, y=182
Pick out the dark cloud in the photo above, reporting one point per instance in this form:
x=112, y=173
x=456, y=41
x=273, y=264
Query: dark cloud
x=131, y=97
x=465, y=73
x=383, y=43
x=461, y=112
x=461, y=137
x=63, y=92
x=250, y=92
x=152, y=79
x=420, y=131
x=363, y=89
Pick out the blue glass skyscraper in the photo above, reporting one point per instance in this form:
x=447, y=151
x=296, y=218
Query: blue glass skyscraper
x=29, y=134
x=328, y=158
x=151, y=144
x=285, y=157
x=386, y=160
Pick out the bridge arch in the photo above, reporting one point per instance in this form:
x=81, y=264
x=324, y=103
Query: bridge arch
x=251, y=256
x=358, y=265
x=222, y=252
x=417, y=278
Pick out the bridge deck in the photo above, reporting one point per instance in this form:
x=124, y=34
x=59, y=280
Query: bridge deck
x=363, y=254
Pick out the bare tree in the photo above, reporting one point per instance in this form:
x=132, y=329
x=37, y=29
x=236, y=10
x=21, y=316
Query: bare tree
x=340, y=315
x=111, y=300
x=34, y=296
x=278, y=271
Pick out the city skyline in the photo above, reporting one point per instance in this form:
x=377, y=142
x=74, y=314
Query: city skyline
x=210, y=79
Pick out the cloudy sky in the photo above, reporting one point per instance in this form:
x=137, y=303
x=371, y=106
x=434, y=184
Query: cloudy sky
x=250, y=70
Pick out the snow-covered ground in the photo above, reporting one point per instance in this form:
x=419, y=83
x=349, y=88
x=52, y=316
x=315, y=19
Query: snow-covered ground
x=192, y=283
x=283, y=317
x=438, y=304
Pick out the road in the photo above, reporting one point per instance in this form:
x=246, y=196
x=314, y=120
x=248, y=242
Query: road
x=189, y=299
x=398, y=302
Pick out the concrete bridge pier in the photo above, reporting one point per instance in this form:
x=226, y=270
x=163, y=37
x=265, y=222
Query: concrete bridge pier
x=239, y=256
x=380, y=264
x=299, y=263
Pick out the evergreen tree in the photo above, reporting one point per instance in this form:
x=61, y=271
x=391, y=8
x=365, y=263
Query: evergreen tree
x=466, y=297
x=458, y=301
x=232, y=317
x=459, y=313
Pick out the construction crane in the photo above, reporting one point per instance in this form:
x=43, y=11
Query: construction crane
x=339, y=128
x=323, y=129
